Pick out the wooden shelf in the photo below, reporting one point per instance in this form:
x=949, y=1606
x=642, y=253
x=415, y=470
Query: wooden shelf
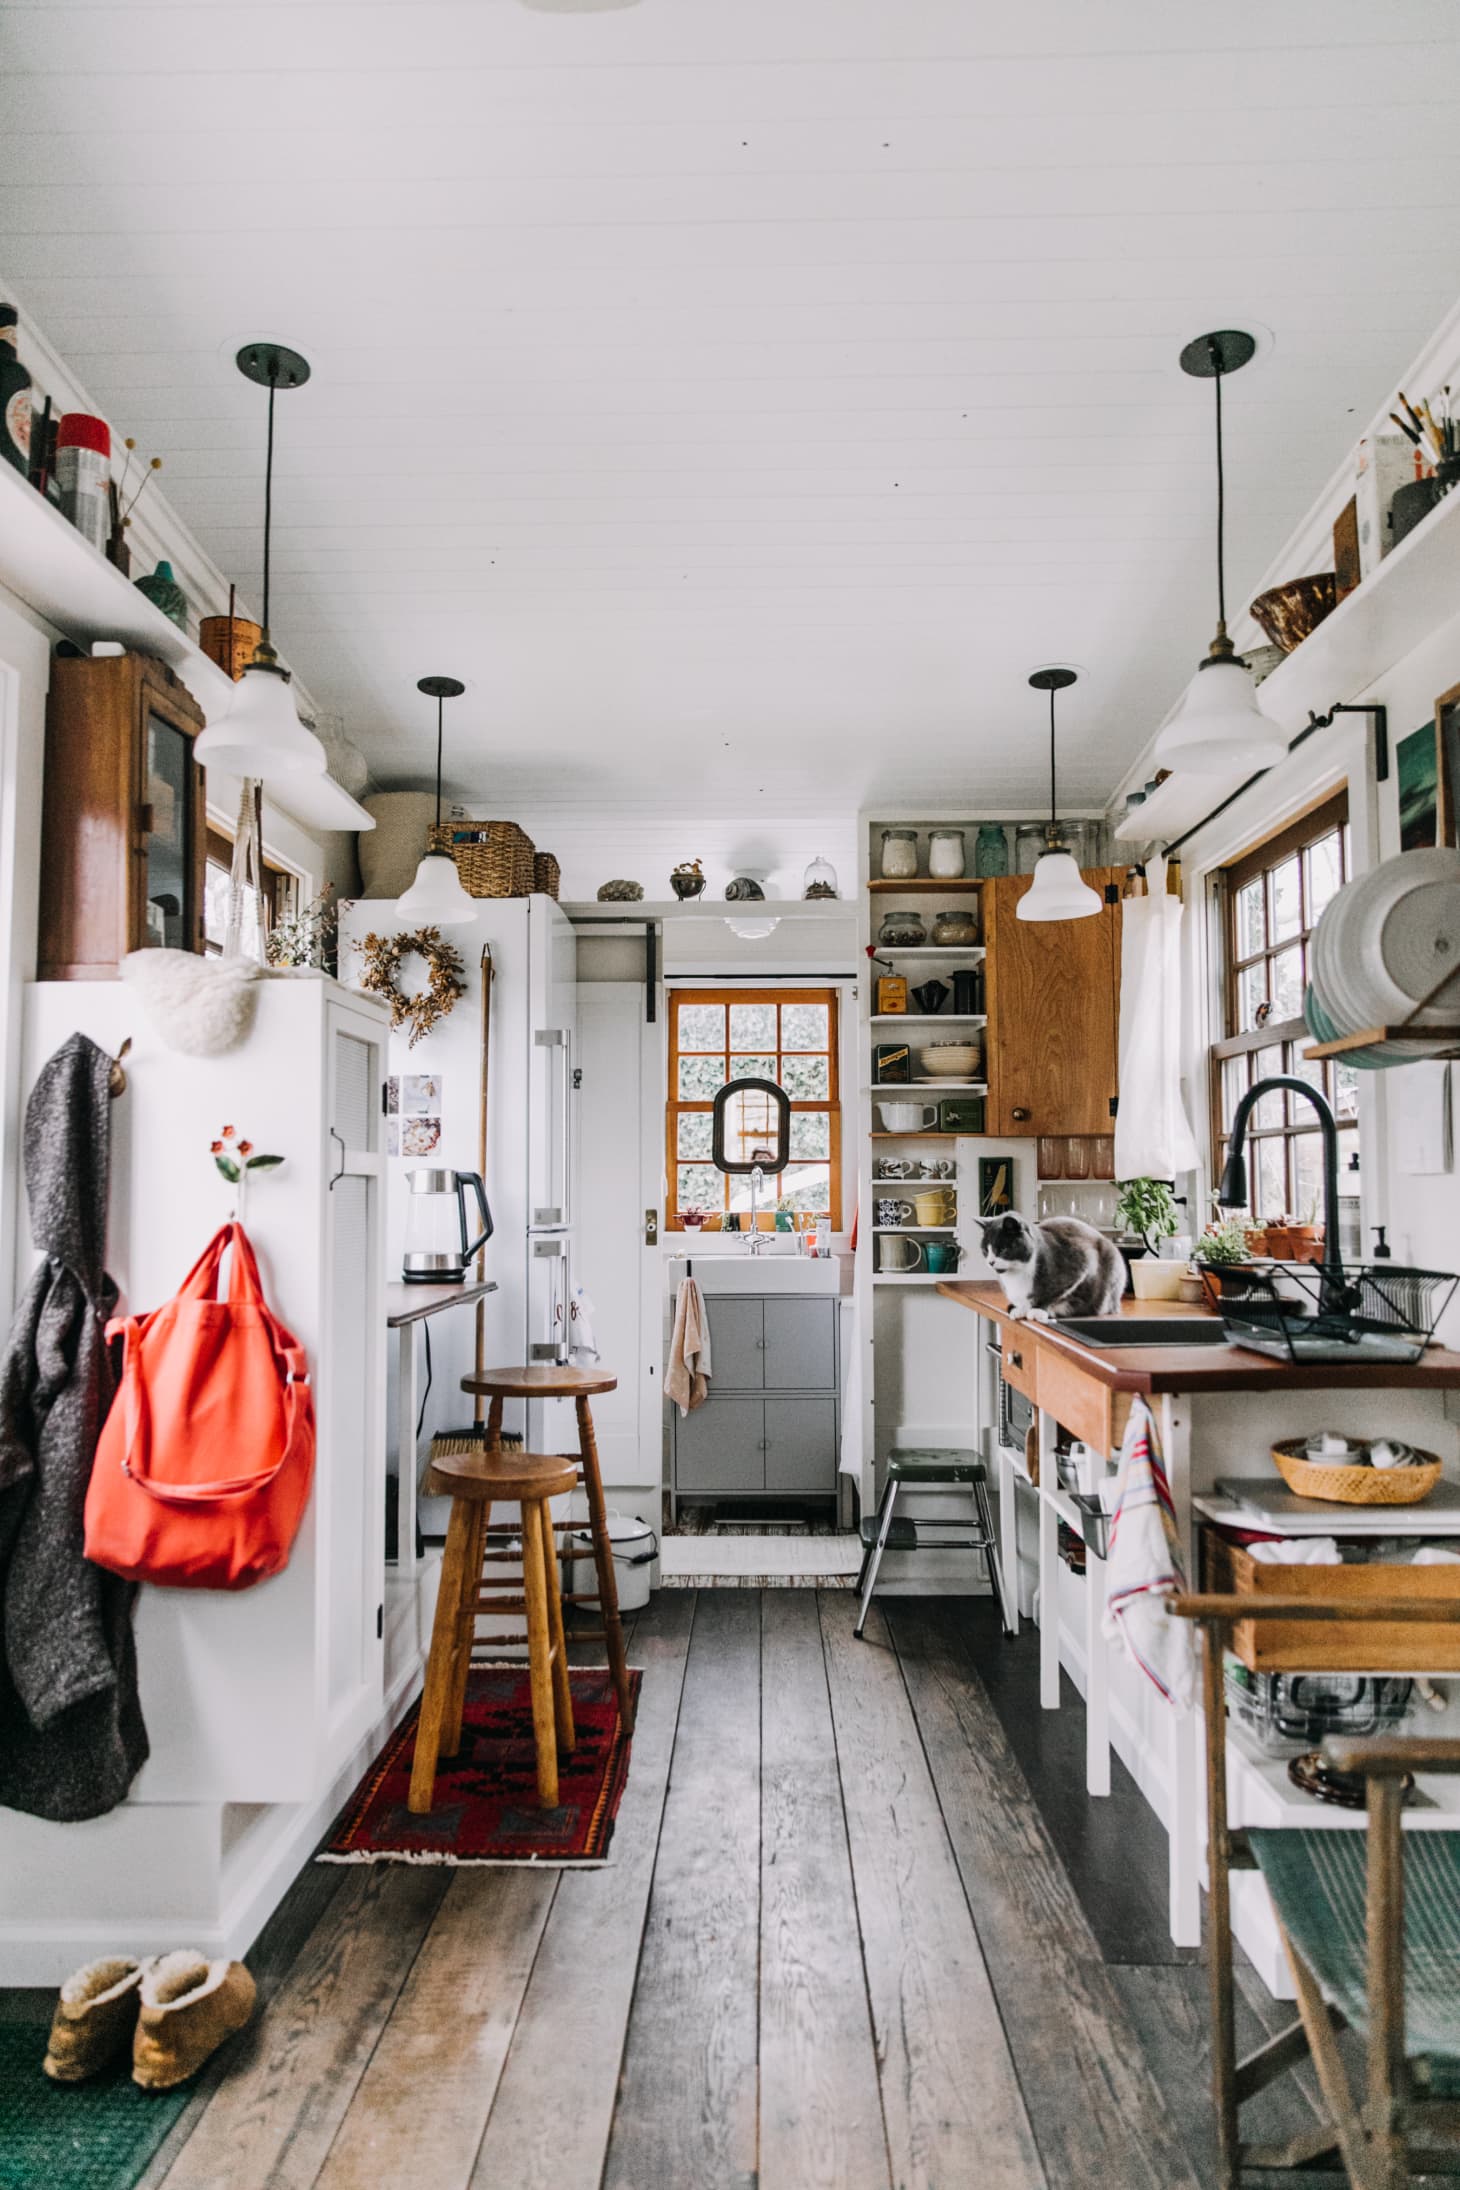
x=926, y=1087
x=929, y=1019
x=942, y=951
x=926, y=882
x=912, y=1277
x=1446, y=1040
x=924, y=1133
x=914, y=1227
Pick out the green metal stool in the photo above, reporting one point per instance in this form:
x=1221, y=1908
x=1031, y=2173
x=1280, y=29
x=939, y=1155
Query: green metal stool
x=931, y=1468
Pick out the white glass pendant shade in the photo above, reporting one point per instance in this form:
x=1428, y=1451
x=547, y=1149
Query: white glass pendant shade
x=751, y=930
x=261, y=735
x=436, y=898
x=1220, y=728
x=1058, y=891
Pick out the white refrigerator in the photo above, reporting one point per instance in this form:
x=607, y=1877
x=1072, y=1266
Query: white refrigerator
x=507, y=1050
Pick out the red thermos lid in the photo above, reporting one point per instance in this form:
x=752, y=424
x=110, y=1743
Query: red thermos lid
x=78, y=430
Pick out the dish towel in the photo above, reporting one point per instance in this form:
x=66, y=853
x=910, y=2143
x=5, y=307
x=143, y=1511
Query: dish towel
x=688, y=1380
x=1144, y=1567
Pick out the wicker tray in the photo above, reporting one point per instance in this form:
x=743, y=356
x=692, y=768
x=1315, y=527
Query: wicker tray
x=493, y=858
x=547, y=875
x=1348, y=1486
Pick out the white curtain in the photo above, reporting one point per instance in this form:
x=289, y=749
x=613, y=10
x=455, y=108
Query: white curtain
x=1153, y=1136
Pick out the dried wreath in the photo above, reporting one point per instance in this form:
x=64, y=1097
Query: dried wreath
x=381, y=957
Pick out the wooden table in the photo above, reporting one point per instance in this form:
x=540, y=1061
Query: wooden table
x=1088, y=1391
x=406, y=1306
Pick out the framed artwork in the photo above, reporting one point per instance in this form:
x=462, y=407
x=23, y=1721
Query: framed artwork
x=1447, y=767
x=995, y=1185
x=1416, y=767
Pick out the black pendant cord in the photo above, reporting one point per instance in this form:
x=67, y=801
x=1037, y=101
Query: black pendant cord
x=1221, y=500
x=440, y=710
x=1053, y=822
x=269, y=486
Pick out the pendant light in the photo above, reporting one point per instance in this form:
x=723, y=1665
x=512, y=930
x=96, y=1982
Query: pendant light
x=261, y=736
x=1219, y=728
x=436, y=898
x=1058, y=891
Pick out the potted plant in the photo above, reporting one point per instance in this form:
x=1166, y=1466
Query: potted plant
x=1147, y=1208
x=1220, y=1252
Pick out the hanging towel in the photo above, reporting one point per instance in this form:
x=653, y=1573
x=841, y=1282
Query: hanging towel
x=582, y=1345
x=688, y=1380
x=1144, y=1567
x=1153, y=1138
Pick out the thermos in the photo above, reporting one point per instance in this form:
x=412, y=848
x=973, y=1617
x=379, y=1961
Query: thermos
x=968, y=992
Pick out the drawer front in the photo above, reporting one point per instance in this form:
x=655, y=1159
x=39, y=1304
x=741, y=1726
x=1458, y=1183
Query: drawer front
x=800, y=1345
x=737, y=1343
x=800, y=1448
x=1016, y=1357
x=1314, y=1646
x=1076, y=1401
x=720, y=1447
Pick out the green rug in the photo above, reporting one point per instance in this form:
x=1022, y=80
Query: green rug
x=92, y=2136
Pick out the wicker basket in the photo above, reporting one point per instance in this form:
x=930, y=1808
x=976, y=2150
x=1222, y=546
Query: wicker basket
x=493, y=858
x=1354, y=1486
x=547, y=875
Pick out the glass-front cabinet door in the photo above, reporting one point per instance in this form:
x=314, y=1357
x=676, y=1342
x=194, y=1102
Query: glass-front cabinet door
x=167, y=837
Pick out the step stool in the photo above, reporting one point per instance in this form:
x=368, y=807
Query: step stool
x=932, y=1468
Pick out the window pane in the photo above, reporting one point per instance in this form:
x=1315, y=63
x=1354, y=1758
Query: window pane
x=1267, y=1111
x=806, y=1186
x=699, y=1078
x=1287, y=903
x=216, y=881
x=1251, y=993
x=702, y=1026
x=1251, y=918
x=1325, y=874
x=701, y=1186
x=1286, y=983
x=804, y=1026
x=1234, y=1086
x=696, y=1133
x=810, y=1133
x=752, y=1026
x=753, y=1068
x=1345, y=1090
x=1302, y=1068
x=806, y=1079
x=1268, y=1180
x=1307, y=1178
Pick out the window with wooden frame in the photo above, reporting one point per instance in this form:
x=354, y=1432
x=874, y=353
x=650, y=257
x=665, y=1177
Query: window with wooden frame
x=785, y=1035
x=1270, y=899
x=280, y=890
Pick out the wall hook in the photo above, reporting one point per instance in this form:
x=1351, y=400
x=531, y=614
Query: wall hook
x=116, y=1079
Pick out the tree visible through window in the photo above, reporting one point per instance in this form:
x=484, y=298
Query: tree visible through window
x=785, y=1035
x=1273, y=896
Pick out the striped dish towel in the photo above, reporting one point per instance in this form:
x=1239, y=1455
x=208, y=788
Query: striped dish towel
x=1144, y=1567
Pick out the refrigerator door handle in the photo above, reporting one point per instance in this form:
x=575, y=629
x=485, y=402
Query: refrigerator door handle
x=558, y=1179
x=554, y=1347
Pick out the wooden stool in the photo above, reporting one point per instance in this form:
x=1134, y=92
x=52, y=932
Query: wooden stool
x=472, y=1482
x=565, y=1381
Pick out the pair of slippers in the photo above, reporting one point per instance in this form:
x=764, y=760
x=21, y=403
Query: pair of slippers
x=174, y=2011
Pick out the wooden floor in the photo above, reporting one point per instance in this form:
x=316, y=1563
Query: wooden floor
x=838, y=1947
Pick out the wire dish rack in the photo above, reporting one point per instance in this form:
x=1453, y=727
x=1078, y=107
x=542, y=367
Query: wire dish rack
x=1373, y=1311
x=1286, y=1713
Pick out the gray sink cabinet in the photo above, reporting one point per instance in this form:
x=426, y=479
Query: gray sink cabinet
x=769, y=1428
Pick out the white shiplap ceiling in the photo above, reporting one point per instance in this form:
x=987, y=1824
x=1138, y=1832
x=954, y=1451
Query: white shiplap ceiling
x=742, y=395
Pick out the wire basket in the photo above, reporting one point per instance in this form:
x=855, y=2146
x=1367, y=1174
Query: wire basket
x=493, y=858
x=1375, y=1311
x=1286, y=1713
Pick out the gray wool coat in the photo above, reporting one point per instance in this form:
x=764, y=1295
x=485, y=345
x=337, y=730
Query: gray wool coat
x=71, y=1731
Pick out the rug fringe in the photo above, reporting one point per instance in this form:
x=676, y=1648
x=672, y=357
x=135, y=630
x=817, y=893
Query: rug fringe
x=471, y=1862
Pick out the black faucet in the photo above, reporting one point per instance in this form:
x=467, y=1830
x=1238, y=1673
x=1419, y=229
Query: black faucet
x=1232, y=1193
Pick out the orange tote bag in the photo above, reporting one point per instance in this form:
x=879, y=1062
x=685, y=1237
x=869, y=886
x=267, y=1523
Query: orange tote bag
x=204, y=1463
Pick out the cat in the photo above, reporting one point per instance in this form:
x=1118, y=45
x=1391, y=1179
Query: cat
x=1057, y=1267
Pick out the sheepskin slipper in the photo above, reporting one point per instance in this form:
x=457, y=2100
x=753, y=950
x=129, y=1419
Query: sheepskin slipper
x=94, y=2019
x=201, y=1006
x=189, y=2006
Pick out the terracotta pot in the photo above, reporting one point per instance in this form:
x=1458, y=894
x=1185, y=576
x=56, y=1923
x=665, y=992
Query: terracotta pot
x=394, y=848
x=1257, y=1240
x=1280, y=1243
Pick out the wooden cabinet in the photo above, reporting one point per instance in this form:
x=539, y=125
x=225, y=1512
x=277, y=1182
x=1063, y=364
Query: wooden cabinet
x=1053, y=995
x=123, y=834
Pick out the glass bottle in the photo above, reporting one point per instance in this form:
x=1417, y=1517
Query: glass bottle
x=991, y=850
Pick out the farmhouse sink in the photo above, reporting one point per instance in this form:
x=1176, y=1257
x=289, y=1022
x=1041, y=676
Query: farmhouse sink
x=1103, y=1331
x=747, y=1273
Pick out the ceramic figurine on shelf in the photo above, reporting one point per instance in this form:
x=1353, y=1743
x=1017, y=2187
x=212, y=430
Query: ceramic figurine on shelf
x=687, y=879
x=819, y=880
x=620, y=892
x=744, y=890
x=164, y=592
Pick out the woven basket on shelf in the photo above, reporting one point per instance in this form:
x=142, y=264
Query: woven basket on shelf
x=1354, y=1486
x=547, y=875
x=493, y=858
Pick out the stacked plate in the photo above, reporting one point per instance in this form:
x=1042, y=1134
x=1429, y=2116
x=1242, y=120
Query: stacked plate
x=1389, y=939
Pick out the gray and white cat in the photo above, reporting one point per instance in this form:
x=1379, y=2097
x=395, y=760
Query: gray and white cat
x=1057, y=1267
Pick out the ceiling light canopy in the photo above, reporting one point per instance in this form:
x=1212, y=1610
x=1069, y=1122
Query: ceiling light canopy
x=1058, y=891
x=1219, y=728
x=261, y=735
x=436, y=898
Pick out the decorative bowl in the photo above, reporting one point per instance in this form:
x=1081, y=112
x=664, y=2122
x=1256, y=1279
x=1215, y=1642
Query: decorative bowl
x=951, y=1060
x=1288, y=613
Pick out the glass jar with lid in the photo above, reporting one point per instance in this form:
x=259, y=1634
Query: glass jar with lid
x=899, y=854
x=957, y=925
x=991, y=850
x=902, y=930
x=947, y=858
x=1029, y=840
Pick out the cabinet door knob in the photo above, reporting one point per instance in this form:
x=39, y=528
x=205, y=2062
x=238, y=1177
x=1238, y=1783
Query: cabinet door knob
x=1018, y=1113
x=760, y=1345
x=765, y=1444
x=1016, y=1359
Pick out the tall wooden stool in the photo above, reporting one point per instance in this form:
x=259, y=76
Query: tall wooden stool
x=565, y=1381
x=472, y=1482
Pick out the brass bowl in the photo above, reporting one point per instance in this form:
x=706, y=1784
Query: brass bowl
x=1288, y=613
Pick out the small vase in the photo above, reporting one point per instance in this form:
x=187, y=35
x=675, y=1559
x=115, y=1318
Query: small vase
x=164, y=592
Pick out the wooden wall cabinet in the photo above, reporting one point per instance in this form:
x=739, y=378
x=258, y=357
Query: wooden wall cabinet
x=1053, y=1001
x=124, y=831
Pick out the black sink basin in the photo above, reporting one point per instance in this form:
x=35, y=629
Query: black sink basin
x=1105, y=1331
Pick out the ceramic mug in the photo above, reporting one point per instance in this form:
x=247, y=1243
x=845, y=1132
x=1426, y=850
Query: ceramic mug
x=899, y=1254
x=942, y=1254
x=907, y=1117
x=894, y=1212
x=897, y=1167
x=935, y=1205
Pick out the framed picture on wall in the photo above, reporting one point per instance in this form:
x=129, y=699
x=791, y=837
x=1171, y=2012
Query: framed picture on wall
x=1415, y=769
x=1447, y=766
x=995, y=1185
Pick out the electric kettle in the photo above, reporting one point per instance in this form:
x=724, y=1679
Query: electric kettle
x=438, y=1248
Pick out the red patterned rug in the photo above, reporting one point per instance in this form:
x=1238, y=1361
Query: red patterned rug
x=486, y=1808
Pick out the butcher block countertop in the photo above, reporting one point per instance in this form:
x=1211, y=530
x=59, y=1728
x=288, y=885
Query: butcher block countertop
x=1196, y=1368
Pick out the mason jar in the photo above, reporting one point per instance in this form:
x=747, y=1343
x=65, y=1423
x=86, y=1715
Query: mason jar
x=899, y=854
x=946, y=856
x=991, y=850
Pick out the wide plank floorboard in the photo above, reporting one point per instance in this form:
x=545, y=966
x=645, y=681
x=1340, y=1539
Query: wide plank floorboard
x=820, y=2117
x=576, y=2008
x=687, y=2103
x=950, y=2092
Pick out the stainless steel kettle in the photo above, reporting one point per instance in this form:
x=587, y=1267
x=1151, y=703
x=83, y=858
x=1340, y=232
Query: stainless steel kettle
x=439, y=1247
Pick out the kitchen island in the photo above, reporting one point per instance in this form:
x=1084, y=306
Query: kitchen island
x=1218, y=1410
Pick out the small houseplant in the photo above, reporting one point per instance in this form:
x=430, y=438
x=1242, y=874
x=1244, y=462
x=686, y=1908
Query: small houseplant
x=1147, y=1207
x=1220, y=1251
